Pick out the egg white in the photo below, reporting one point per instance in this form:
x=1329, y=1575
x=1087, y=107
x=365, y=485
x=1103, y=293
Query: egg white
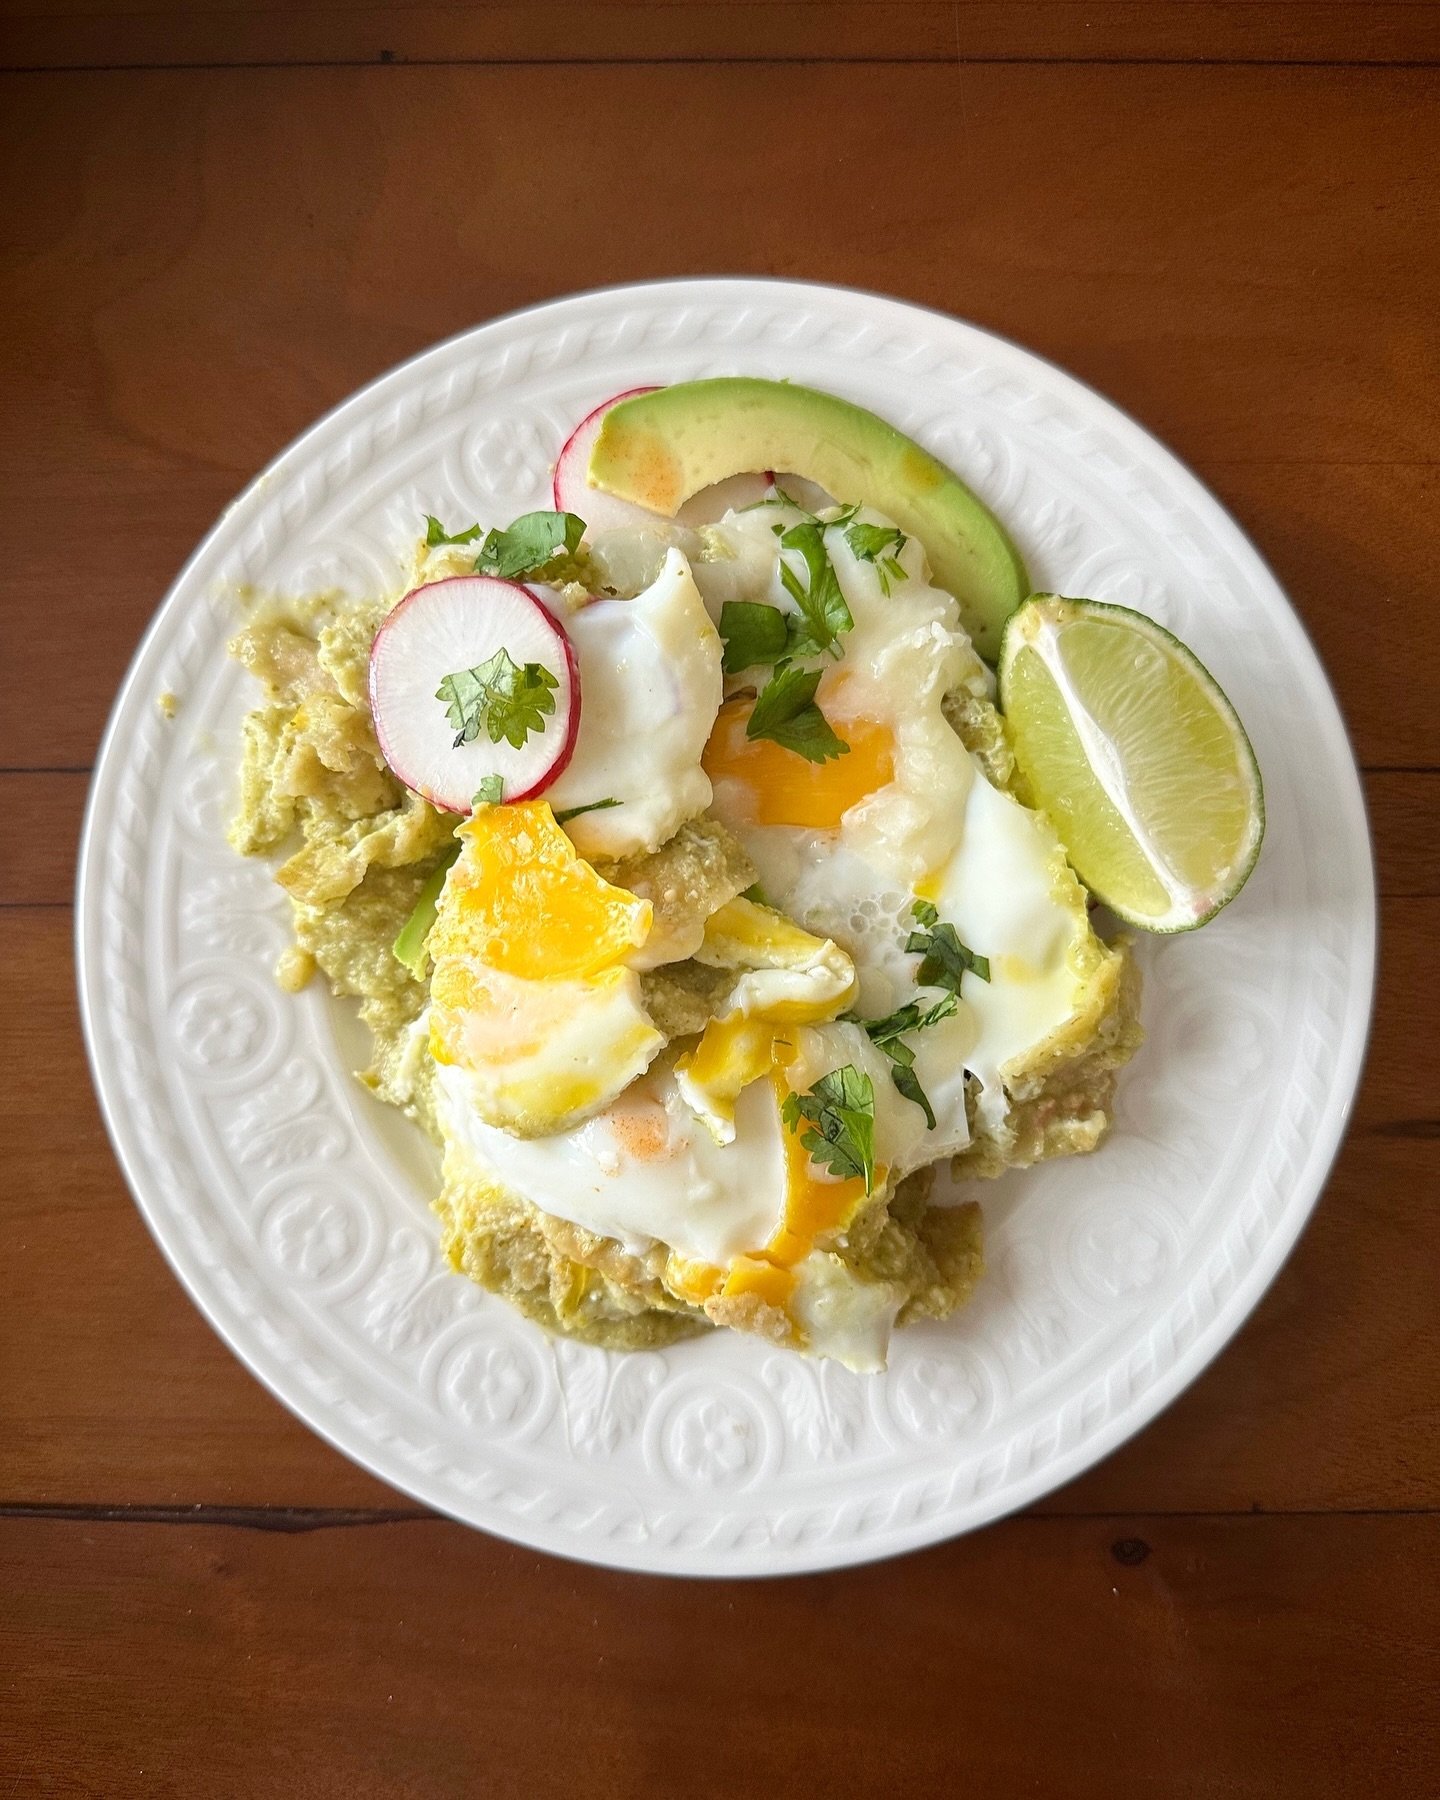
x=938, y=829
x=541, y=1053
x=645, y=1170
x=699, y=1165
x=650, y=686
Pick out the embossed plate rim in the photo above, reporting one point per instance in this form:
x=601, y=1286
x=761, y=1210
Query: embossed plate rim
x=841, y=1542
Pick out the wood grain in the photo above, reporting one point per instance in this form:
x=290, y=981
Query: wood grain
x=1276, y=326
x=1134, y=1656
x=113, y=33
x=42, y=810
x=194, y=263
x=1326, y=1400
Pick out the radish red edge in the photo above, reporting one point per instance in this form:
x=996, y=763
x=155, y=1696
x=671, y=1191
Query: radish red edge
x=427, y=708
x=569, y=488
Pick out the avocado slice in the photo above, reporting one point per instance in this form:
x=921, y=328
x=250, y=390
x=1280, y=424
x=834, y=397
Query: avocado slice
x=409, y=946
x=660, y=448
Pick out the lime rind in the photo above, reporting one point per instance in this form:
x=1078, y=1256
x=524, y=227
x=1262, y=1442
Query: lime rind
x=1107, y=798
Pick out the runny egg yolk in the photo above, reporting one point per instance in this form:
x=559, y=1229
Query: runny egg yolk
x=814, y=1203
x=731, y=1054
x=531, y=995
x=783, y=787
x=521, y=901
x=815, y=1207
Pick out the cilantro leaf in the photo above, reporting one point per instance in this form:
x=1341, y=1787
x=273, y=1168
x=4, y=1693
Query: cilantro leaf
x=500, y=695
x=775, y=496
x=886, y=1035
x=946, y=959
x=574, y=812
x=910, y=1017
x=881, y=545
x=822, y=607
x=531, y=545
x=840, y=1109
x=871, y=542
x=435, y=533
x=785, y=711
x=490, y=792
x=752, y=633
x=907, y=1082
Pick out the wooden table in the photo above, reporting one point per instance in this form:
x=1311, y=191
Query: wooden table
x=221, y=217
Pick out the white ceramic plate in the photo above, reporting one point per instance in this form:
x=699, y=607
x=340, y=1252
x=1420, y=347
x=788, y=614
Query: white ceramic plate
x=294, y=1208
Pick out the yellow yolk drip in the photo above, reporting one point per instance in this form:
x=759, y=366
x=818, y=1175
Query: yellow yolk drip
x=784, y=977
x=694, y=1281
x=731, y=1054
x=753, y=1275
x=815, y=1207
x=782, y=786
x=531, y=995
x=814, y=1204
x=521, y=901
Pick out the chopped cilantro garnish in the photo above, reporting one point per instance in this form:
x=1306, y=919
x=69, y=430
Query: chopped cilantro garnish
x=886, y=1035
x=574, y=812
x=785, y=711
x=752, y=633
x=872, y=541
x=946, y=959
x=840, y=1111
x=823, y=612
x=881, y=545
x=505, y=698
x=531, y=545
x=435, y=533
x=490, y=792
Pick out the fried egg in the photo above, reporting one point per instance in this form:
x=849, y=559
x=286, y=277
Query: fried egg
x=696, y=1156
x=650, y=686
x=753, y=1216
x=848, y=846
x=786, y=977
x=537, y=1015
x=535, y=1010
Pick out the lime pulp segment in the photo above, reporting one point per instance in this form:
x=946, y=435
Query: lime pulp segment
x=1130, y=746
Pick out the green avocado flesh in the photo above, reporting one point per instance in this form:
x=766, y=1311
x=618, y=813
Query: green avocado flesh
x=409, y=946
x=658, y=449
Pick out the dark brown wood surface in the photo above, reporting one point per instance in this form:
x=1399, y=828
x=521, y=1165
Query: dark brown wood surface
x=220, y=218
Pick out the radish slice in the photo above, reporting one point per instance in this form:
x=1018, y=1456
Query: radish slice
x=573, y=492
x=458, y=624
x=603, y=512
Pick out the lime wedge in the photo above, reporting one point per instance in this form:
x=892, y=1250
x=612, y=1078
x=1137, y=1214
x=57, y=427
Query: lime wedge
x=1128, y=744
